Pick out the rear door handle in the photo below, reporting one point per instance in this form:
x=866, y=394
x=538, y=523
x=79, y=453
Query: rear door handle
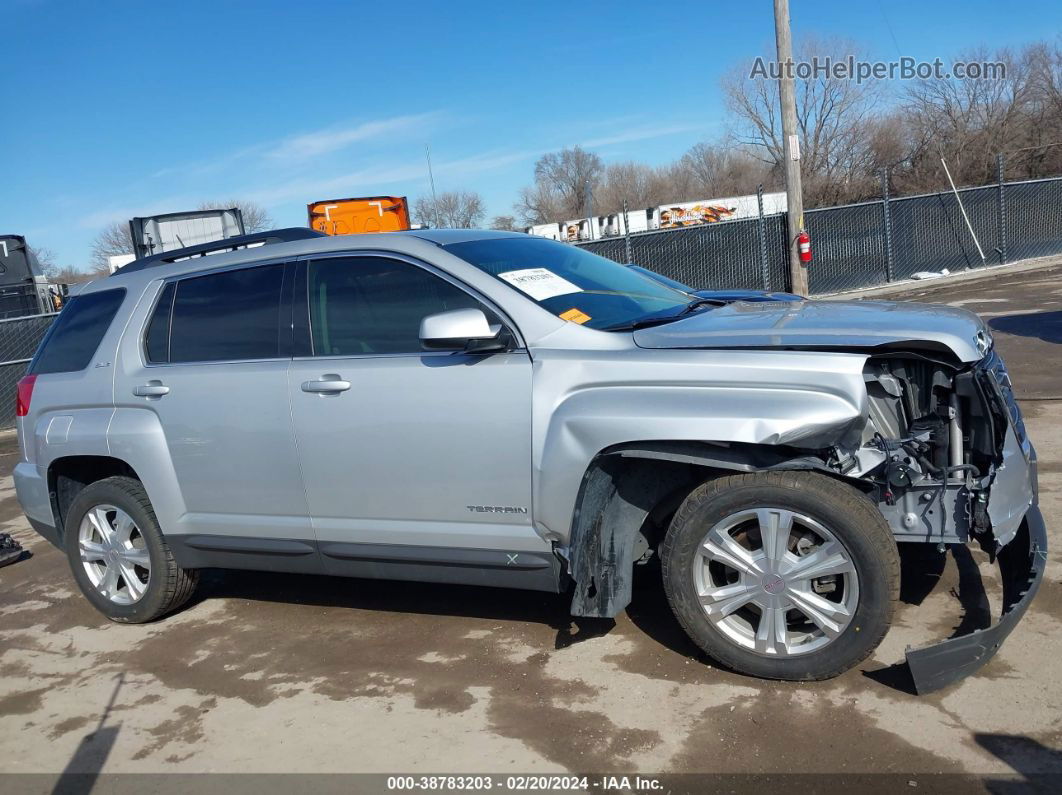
x=326, y=384
x=154, y=389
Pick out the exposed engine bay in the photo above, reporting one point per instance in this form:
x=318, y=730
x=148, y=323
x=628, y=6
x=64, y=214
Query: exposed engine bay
x=936, y=445
x=910, y=405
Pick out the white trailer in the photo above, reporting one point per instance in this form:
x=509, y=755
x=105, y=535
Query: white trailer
x=552, y=231
x=666, y=216
x=708, y=211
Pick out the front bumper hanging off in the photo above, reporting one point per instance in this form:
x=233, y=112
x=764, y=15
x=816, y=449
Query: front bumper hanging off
x=1021, y=563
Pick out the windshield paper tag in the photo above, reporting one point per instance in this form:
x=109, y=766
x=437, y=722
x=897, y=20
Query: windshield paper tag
x=574, y=316
x=539, y=283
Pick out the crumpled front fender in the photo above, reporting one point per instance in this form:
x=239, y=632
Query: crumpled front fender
x=584, y=405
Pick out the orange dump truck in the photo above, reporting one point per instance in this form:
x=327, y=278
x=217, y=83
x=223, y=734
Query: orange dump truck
x=358, y=216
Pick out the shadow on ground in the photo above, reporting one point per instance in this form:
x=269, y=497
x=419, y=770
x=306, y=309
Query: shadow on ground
x=386, y=596
x=1038, y=767
x=921, y=570
x=1046, y=326
x=83, y=769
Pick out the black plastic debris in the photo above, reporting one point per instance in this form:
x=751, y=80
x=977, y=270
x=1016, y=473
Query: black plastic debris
x=10, y=549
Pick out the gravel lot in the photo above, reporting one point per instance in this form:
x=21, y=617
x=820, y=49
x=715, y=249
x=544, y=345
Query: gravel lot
x=269, y=673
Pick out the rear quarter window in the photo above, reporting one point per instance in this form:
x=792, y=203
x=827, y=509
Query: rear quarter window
x=75, y=335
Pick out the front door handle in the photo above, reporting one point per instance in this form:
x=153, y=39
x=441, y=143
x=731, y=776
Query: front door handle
x=151, y=389
x=326, y=385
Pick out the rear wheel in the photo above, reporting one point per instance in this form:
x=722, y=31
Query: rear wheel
x=118, y=555
x=781, y=575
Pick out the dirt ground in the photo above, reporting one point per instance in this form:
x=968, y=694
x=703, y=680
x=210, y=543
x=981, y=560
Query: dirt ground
x=266, y=673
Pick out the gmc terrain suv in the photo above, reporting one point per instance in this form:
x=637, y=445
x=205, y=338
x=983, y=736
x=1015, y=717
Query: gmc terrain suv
x=505, y=410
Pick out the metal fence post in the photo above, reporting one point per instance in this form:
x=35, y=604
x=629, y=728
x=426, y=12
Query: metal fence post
x=1001, y=169
x=762, y=230
x=627, y=233
x=888, y=223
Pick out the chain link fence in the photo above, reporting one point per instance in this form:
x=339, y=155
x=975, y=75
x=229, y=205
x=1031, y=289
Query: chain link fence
x=726, y=253
x=19, y=338
x=856, y=245
x=859, y=245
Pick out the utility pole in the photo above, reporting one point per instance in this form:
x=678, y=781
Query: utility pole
x=589, y=209
x=431, y=179
x=791, y=145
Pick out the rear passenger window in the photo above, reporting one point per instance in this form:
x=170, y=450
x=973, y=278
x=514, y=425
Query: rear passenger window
x=223, y=316
x=76, y=334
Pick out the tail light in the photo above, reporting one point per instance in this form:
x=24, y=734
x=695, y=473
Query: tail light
x=25, y=395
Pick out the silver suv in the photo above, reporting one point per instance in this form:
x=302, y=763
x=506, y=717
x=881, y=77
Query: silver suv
x=505, y=410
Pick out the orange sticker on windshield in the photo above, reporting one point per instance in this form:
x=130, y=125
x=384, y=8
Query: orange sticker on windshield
x=574, y=316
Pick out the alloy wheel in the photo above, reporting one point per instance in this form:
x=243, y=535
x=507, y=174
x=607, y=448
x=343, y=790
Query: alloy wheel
x=113, y=554
x=776, y=582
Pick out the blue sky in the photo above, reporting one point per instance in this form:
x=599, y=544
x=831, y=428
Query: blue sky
x=115, y=109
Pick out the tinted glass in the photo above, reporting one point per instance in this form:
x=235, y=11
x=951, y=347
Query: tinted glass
x=76, y=334
x=569, y=281
x=226, y=316
x=157, y=343
x=368, y=305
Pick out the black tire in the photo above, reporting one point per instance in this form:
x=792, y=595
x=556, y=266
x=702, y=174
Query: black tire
x=853, y=520
x=168, y=586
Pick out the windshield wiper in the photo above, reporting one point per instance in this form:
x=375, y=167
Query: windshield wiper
x=644, y=322
x=656, y=320
x=698, y=303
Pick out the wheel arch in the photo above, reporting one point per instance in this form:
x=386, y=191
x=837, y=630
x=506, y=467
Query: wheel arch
x=633, y=489
x=67, y=476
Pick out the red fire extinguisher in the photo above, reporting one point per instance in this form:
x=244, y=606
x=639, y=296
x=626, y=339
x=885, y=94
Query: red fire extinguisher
x=804, y=245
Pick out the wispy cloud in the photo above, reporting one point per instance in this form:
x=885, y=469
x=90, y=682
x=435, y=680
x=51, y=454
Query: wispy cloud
x=643, y=133
x=108, y=214
x=401, y=171
x=303, y=147
x=320, y=142
x=310, y=165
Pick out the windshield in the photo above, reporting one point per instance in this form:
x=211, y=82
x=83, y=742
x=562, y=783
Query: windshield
x=571, y=282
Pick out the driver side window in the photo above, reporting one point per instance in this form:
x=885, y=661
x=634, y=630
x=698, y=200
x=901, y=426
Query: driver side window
x=373, y=305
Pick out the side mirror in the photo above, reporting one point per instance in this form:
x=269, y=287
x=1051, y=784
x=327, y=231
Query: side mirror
x=461, y=330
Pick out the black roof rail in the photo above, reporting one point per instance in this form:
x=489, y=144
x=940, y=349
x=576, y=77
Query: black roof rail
x=226, y=244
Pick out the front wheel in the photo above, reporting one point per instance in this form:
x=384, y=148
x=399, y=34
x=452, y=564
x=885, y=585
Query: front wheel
x=782, y=575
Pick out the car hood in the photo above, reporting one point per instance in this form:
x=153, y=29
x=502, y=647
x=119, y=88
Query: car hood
x=826, y=325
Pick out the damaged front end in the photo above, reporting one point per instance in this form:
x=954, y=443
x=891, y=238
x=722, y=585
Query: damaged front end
x=946, y=452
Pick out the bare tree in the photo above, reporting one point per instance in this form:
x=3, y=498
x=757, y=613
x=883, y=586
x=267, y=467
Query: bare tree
x=635, y=183
x=70, y=275
x=540, y=204
x=969, y=122
x=832, y=117
x=505, y=223
x=113, y=240
x=718, y=170
x=255, y=216
x=63, y=274
x=453, y=210
x=46, y=260
x=848, y=137
x=564, y=183
x=1041, y=154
